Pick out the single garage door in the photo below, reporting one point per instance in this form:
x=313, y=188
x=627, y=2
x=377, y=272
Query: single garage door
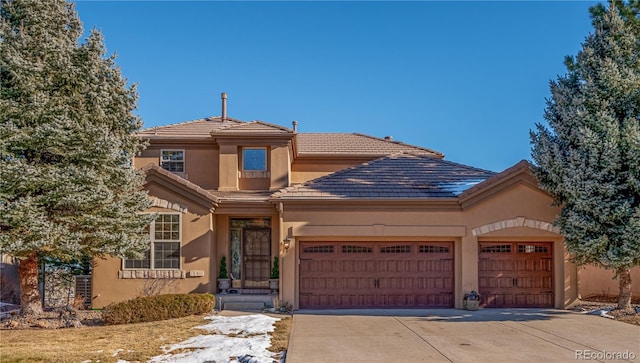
x=376, y=274
x=515, y=274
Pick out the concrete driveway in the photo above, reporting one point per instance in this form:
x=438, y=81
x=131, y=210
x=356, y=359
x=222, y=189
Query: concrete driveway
x=449, y=335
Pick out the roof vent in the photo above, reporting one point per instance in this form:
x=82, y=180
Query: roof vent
x=223, y=95
x=388, y=138
x=295, y=125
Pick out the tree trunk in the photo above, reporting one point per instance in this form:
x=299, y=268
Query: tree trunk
x=624, y=297
x=29, y=293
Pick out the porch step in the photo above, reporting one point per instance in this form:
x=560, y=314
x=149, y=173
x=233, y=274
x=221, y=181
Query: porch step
x=243, y=306
x=243, y=301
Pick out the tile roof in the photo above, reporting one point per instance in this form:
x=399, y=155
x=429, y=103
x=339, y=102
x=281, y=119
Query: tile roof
x=307, y=144
x=253, y=127
x=399, y=176
x=201, y=128
x=353, y=144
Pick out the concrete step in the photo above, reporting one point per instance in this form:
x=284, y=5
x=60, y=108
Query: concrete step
x=243, y=306
x=243, y=301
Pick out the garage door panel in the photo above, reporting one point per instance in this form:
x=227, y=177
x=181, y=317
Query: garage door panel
x=376, y=275
x=515, y=274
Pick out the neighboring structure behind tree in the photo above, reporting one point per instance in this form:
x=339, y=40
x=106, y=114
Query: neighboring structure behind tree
x=66, y=143
x=589, y=159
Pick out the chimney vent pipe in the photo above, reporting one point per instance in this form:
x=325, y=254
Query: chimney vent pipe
x=295, y=125
x=223, y=95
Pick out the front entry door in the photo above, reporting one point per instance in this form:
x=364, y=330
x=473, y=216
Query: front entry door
x=257, y=255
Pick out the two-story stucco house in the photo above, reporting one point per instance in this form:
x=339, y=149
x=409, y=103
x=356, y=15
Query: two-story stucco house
x=356, y=221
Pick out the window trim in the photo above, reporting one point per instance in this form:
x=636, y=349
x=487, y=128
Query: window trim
x=266, y=159
x=152, y=241
x=183, y=160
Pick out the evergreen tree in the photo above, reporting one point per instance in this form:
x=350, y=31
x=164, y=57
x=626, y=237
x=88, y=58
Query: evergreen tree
x=67, y=186
x=589, y=158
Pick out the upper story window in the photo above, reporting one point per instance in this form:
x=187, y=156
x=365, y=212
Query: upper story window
x=172, y=160
x=254, y=159
x=164, y=252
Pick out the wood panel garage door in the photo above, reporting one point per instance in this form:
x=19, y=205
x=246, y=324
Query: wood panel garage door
x=515, y=274
x=376, y=274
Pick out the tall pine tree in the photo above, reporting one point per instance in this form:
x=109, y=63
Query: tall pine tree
x=67, y=186
x=589, y=157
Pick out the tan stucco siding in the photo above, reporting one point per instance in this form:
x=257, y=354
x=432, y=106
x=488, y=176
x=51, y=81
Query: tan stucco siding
x=228, y=168
x=200, y=162
x=111, y=283
x=280, y=167
x=598, y=281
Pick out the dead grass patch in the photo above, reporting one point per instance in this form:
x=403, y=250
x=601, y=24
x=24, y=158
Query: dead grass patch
x=131, y=342
x=280, y=336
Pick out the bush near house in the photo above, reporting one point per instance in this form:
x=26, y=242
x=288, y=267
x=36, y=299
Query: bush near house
x=158, y=307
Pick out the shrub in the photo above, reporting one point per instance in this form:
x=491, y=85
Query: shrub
x=275, y=270
x=158, y=307
x=223, y=268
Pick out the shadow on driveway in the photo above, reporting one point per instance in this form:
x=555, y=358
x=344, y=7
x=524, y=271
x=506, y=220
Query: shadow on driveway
x=451, y=315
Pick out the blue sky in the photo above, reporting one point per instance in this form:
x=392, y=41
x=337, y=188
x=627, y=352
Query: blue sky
x=468, y=79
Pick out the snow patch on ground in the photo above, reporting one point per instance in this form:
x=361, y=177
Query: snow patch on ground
x=235, y=339
x=602, y=312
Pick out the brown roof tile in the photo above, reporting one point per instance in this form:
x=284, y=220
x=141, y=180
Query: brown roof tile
x=201, y=128
x=400, y=176
x=353, y=144
x=253, y=127
x=307, y=144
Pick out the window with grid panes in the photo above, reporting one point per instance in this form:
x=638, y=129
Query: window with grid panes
x=172, y=160
x=164, y=252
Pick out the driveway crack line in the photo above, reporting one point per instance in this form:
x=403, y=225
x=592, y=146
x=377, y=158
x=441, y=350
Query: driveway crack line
x=541, y=338
x=421, y=338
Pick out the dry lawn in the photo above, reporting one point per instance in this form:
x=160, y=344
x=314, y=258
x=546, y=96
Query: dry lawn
x=130, y=342
x=280, y=337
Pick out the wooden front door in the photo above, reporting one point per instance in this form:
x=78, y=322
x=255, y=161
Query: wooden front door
x=257, y=255
x=376, y=274
x=515, y=274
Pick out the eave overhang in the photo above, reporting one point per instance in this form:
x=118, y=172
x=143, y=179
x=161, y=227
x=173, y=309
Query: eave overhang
x=373, y=205
x=176, y=184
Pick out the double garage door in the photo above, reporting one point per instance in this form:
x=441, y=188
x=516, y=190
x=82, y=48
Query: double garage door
x=376, y=274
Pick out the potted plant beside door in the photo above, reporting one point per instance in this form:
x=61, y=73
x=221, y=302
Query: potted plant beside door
x=223, y=278
x=471, y=301
x=274, y=278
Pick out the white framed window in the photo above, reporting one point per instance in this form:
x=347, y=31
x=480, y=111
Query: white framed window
x=172, y=160
x=164, y=252
x=254, y=159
